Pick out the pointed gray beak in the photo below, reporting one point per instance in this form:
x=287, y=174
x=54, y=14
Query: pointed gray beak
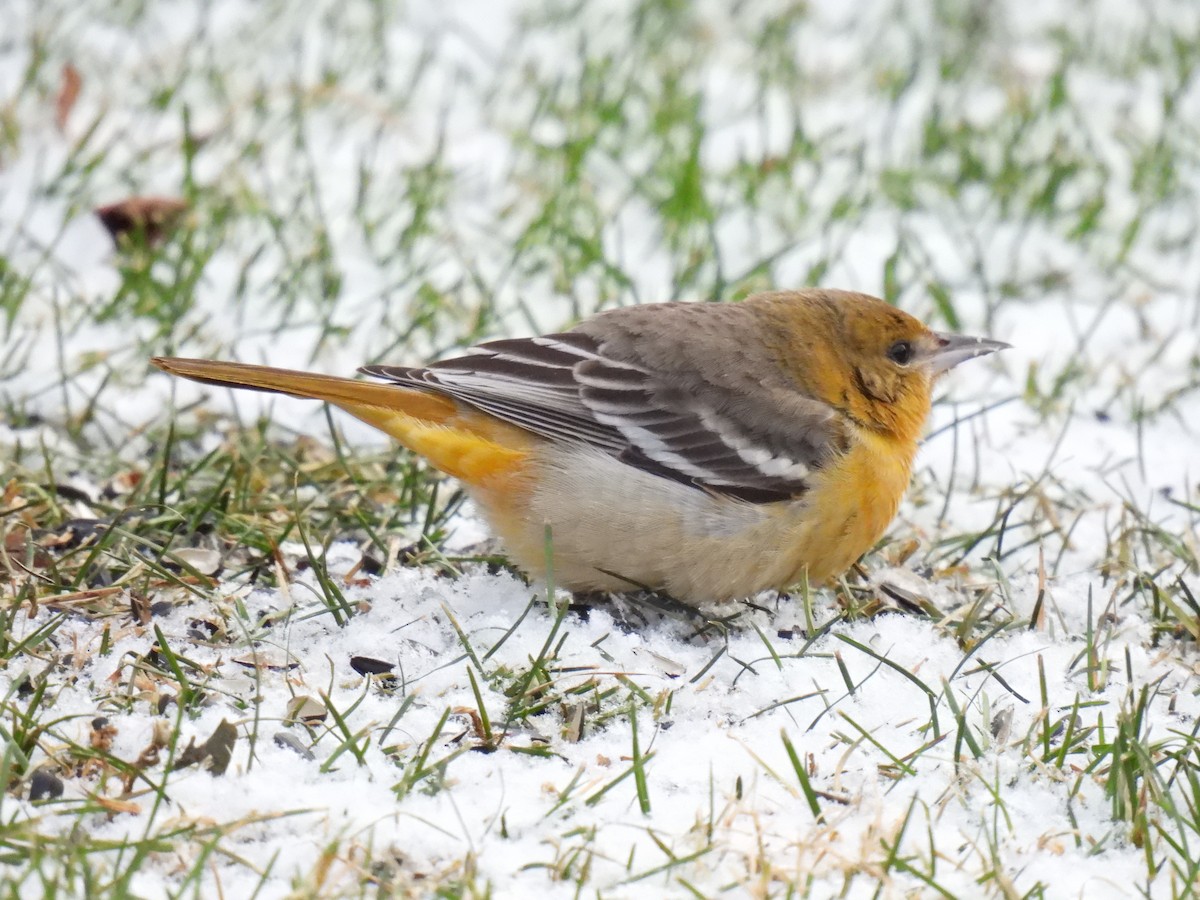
x=953, y=349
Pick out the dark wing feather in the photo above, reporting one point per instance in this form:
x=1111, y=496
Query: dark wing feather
x=716, y=436
x=528, y=382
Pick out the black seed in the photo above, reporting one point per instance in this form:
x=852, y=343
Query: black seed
x=45, y=785
x=364, y=665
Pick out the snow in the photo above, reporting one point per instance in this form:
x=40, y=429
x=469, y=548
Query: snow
x=723, y=730
x=1121, y=338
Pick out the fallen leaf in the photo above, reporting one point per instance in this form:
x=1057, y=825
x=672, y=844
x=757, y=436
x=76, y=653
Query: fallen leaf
x=203, y=560
x=268, y=661
x=149, y=757
x=24, y=552
x=118, y=806
x=151, y=218
x=217, y=750
x=103, y=734
x=68, y=93
x=305, y=710
x=139, y=607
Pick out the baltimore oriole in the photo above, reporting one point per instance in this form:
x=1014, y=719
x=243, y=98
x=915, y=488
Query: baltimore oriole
x=706, y=450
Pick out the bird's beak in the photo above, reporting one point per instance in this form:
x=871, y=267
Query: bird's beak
x=953, y=349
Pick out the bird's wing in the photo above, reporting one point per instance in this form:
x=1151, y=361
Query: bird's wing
x=747, y=444
x=529, y=382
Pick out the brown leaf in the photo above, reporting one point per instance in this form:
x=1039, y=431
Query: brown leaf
x=150, y=218
x=94, y=601
x=305, y=710
x=118, y=806
x=268, y=661
x=139, y=607
x=103, y=734
x=149, y=756
x=68, y=93
x=124, y=482
x=220, y=747
x=25, y=554
x=190, y=755
x=217, y=750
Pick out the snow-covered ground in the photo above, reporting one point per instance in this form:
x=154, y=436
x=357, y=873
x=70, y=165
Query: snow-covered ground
x=1037, y=165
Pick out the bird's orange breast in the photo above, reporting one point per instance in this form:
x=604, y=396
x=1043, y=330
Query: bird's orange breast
x=851, y=504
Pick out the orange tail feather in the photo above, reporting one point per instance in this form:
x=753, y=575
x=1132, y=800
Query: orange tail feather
x=343, y=392
x=464, y=442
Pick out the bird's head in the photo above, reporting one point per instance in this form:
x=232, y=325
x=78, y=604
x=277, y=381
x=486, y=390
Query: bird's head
x=871, y=361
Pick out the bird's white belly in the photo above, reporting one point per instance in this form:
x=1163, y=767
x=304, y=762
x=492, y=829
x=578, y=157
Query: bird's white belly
x=616, y=528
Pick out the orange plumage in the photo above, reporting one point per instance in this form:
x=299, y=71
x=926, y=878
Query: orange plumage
x=709, y=451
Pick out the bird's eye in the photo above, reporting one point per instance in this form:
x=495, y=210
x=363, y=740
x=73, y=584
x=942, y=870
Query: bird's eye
x=900, y=353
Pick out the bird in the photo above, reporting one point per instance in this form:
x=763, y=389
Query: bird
x=705, y=451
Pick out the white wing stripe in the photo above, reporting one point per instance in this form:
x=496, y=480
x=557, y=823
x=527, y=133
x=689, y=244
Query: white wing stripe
x=649, y=443
x=781, y=467
x=613, y=381
x=563, y=387
x=618, y=412
x=523, y=386
x=512, y=357
x=564, y=347
x=762, y=459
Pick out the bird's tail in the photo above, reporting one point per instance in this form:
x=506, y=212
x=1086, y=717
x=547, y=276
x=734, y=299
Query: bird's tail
x=348, y=393
x=461, y=441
